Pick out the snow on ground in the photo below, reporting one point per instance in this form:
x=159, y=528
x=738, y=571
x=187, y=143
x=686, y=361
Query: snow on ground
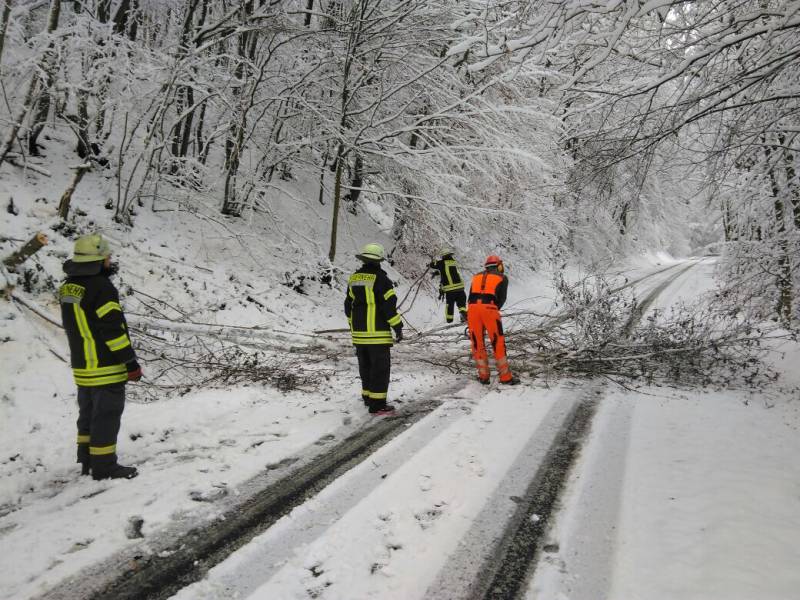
x=394, y=539
x=687, y=494
x=192, y=449
x=393, y=542
x=680, y=494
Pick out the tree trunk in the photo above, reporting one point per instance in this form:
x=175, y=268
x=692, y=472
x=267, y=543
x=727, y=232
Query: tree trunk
x=309, y=8
x=29, y=249
x=356, y=183
x=4, y=18
x=337, y=192
x=41, y=108
x=181, y=131
x=103, y=13
x=322, y=168
x=792, y=182
x=784, y=277
x=122, y=17
x=66, y=197
x=82, y=95
x=728, y=221
x=233, y=144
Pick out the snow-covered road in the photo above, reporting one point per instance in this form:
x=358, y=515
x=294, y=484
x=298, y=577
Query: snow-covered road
x=682, y=494
x=662, y=504
x=686, y=494
x=428, y=499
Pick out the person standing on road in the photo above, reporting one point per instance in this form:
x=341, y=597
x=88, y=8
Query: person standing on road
x=102, y=357
x=371, y=309
x=486, y=297
x=451, y=285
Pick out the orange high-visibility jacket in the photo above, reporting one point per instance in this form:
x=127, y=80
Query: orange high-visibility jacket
x=488, y=288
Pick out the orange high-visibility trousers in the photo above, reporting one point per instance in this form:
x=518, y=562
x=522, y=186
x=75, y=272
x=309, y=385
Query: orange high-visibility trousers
x=482, y=319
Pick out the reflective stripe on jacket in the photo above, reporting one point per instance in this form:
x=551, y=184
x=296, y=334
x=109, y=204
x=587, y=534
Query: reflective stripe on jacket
x=448, y=272
x=371, y=306
x=95, y=326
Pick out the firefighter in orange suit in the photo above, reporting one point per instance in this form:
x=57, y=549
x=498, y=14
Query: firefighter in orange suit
x=487, y=295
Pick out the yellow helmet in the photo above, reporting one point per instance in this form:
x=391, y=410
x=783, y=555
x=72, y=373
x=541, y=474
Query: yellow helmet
x=90, y=248
x=371, y=253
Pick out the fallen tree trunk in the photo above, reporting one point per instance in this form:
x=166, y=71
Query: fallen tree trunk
x=31, y=247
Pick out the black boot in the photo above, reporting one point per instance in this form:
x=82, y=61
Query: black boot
x=513, y=381
x=85, y=468
x=381, y=408
x=483, y=381
x=116, y=471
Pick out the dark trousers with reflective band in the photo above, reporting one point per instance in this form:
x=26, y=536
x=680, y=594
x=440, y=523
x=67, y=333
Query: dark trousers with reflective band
x=374, y=365
x=99, y=414
x=452, y=299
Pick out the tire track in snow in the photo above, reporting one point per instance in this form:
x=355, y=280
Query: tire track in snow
x=578, y=550
x=170, y=562
x=465, y=573
x=507, y=568
x=263, y=558
x=163, y=565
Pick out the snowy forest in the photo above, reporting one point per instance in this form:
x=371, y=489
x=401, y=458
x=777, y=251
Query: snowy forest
x=558, y=129
x=633, y=166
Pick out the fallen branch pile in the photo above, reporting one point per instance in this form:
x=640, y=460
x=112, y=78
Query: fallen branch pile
x=181, y=356
x=598, y=333
x=596, y=330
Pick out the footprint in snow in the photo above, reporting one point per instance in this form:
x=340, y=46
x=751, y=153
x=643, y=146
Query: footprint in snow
x=317, y=590
x=219, y=492
x=473, y=463
x=80, y=545
x=427, y=518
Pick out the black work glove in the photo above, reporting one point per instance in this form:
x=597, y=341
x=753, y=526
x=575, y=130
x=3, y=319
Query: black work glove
x=134, y=371
x=441, y=294
x=398, y=334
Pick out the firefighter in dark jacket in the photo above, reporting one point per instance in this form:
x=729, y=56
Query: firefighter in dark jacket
x=371, y=310
x=451, y=286
x=103, y=360
x=487, y=295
